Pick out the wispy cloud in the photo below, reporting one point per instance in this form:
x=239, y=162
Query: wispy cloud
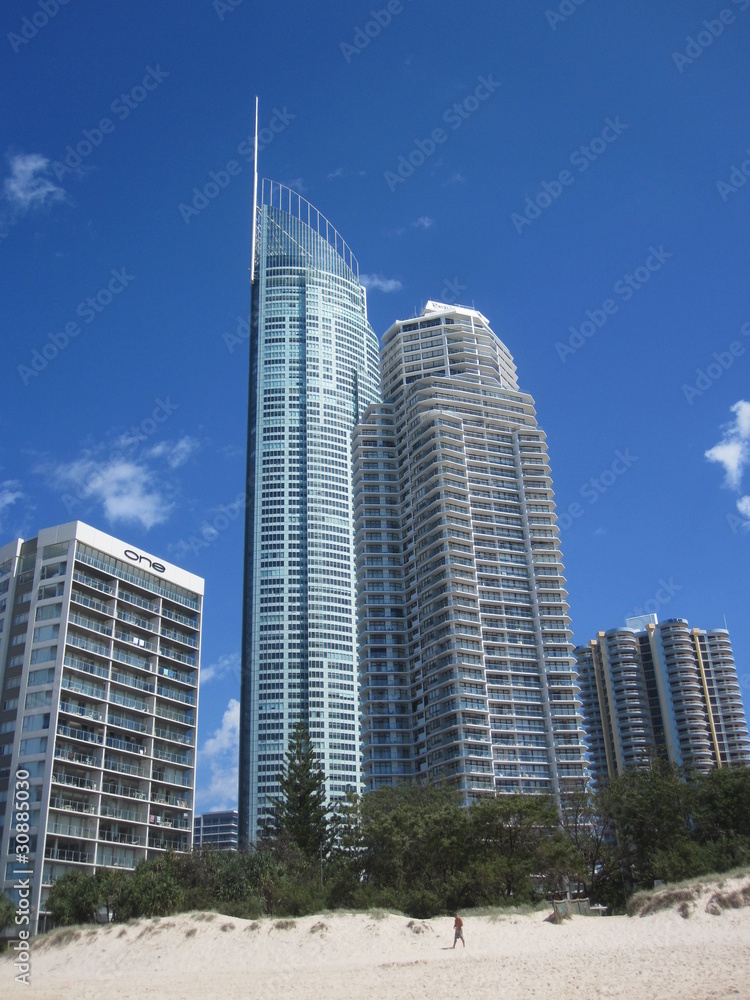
x=423, y=222
x=229, y=663
x=125, y=484
x=338, y=172
x=219, y=755
x=456, y=178
x=176, y=453
x=28, y=185
x=379, y=283
x=297, y=184
x=733, y=452
x=10, y=492
x=123, y=487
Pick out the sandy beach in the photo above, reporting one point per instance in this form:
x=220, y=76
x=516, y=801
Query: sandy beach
x=662, y=956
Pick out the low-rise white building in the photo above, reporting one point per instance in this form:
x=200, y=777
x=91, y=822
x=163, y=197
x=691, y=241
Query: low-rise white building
x=99, y=663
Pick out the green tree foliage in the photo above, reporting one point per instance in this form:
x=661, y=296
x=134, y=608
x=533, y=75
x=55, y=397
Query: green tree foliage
x=301, y=812
x=511, y=839
x=7, y=912
x=415, y=849
x=74, y=898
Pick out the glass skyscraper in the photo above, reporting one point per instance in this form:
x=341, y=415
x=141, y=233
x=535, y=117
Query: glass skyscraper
x=466, y=667
x=314, y=368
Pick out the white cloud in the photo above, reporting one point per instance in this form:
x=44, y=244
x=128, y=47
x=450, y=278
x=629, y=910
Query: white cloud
x=381, y=284
x=733, y=451
x=220, y=754
x=229, y=663
x=743, y=506
x=338, y=172
x=127, y=485
x=28, y=187
x=423, y=222
x=175, y=453
x=742, y=410
x=297, y=184
x=10, y=491
x=124, y=488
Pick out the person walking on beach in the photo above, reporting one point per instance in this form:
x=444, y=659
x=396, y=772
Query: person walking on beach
x=458, y=930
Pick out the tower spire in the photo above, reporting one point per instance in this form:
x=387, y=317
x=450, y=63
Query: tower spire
x=253, y=221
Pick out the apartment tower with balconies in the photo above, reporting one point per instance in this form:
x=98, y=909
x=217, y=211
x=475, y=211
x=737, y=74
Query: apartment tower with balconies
x=465, y=658
x=666, y=690
x=99, y=663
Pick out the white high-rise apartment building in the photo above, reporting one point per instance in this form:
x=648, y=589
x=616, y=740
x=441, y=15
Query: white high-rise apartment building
x=313, y=370
x=466, y=671
x=99, y=662
x=667, y=689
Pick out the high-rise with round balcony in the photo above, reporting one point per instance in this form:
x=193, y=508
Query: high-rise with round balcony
x=466, y=671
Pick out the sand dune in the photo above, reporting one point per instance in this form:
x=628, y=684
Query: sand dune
x=342, y=955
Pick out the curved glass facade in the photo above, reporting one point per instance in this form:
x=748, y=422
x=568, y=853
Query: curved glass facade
x=314, y=368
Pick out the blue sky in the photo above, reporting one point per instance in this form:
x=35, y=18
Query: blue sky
x=577, y=171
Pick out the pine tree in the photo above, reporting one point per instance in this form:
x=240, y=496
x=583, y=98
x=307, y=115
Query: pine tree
x=301, y=813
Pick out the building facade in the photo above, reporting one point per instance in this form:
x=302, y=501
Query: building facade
x=466, y=671
x=666, y=690
x=218, y=830
x=99, y=663
x=313, y=370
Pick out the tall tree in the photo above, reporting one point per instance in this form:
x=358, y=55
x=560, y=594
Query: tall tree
x=301, y=813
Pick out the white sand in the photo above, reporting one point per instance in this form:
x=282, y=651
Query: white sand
x=394, y=958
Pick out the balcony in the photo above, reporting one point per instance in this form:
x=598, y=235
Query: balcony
x=74, y=780
x=68, y=854
x=65, y=753
x=79, y=734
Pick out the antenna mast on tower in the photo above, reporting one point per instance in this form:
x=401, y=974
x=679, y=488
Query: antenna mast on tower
x=253, y=220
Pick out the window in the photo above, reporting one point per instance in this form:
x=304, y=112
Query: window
x=48, y=611
x=37, y=744
x=55, y=551
x=32, y=723
x=46, y=632
x=53, y=569
x=37, y=699
x=37, y=677
x=43, y=655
